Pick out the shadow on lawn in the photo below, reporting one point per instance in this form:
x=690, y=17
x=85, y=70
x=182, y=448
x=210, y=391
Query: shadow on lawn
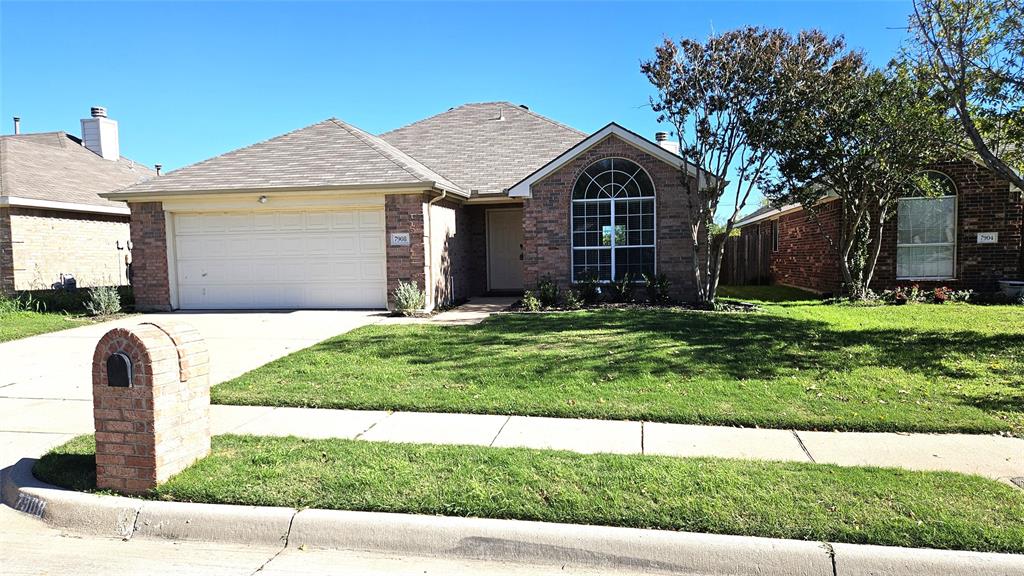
x=624, y=343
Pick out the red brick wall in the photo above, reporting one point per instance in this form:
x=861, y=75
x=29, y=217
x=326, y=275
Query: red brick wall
x=6, y=253
x=160, y=424
x=474, y=226
x=546, y=220
x=149, y=256
x=404, y=213
x=804, y=257
x=984, y=204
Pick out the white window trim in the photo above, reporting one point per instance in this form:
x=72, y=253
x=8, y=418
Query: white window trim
x=612, y=247
x=955, y=243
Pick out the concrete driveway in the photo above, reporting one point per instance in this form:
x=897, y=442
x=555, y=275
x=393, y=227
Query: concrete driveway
x=46, y=380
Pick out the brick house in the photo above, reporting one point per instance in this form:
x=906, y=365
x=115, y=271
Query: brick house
x=969, y=237
x=52, y=220
x=484, y=198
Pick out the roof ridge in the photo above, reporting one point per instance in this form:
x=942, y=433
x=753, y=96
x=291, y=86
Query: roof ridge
x=349, y=128
x=552, y=121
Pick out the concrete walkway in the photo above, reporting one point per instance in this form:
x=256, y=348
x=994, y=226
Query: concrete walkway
x=995, y=457
x=475, y=311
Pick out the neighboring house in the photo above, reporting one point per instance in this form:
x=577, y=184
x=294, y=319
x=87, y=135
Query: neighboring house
x=52, y=221
x=967, y=237
x=483, y=198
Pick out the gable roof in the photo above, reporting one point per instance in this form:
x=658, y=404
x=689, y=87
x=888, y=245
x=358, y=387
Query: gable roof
x=522, y=188
x=51, y=169
x=328, y=154
x=485, y=147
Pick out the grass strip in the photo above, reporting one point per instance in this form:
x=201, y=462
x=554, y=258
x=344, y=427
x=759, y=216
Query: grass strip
x=782, y=500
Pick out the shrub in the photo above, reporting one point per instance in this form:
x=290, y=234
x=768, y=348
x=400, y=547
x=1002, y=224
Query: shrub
x=573, y=300
x=103, y=301
x=622, y=289
x=409, y=299
x=530, y=301
x=10, y=305
x=548, y=292
x=588, y=288
x=657, y=288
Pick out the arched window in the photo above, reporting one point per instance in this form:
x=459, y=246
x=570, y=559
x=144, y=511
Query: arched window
x=613, y=221
x=926, y=230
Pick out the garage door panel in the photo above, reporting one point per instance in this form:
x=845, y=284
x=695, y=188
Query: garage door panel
x=371, y=220
x=343, y=221
x=373, y=271
x=371, y=244
x=331, y=259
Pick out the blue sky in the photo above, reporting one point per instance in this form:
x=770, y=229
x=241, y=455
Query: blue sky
x=187, y=81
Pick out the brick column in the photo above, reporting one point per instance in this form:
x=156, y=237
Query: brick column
x=403, y=213
x=150, y=281
x=151, y=404
x=6, y=253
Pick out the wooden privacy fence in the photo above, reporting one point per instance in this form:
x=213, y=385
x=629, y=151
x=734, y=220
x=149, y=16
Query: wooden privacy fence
x=747, y=260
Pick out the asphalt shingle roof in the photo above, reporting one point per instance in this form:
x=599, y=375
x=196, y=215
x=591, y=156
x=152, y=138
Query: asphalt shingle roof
x=485, y=147
x=55, y=166
x=328, y=153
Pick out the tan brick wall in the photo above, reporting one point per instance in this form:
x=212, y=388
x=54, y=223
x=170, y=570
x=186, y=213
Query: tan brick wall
x=149, y=250
x=159, y=425
x=546, y=220
x=48, y=243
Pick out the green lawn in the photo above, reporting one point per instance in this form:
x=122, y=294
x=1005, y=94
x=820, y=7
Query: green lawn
x=803, y=365
x=21, y=324
x=805, y=501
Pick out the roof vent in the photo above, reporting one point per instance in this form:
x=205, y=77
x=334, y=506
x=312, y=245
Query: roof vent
x=98, y=112
x=661, y=136
x=158, y=167
x=524, y=106
x=17, y=125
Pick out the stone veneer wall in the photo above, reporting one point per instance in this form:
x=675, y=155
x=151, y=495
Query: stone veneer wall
x=150, y=281
x=48, y=243
x=546, y=220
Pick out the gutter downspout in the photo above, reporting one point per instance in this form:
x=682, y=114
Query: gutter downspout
x=430, y=248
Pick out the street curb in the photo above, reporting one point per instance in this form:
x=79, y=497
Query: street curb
x=536, y=543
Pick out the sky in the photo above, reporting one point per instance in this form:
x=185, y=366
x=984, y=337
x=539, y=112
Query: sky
x=187, y=81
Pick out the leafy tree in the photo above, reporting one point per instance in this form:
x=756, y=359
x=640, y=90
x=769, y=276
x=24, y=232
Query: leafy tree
x=972, y=52
x=716, y=94
x=862, y=137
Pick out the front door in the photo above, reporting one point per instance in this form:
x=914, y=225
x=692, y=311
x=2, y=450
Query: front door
x=505, y=249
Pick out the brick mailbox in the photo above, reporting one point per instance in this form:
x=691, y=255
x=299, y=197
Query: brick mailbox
x=151, y=404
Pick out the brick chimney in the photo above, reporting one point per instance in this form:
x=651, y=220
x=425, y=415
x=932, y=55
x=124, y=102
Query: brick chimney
x=99, y=134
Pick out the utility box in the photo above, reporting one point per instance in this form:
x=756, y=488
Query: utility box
x=151, y=404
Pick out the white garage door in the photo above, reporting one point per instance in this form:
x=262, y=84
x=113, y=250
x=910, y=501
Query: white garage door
x=250, y=260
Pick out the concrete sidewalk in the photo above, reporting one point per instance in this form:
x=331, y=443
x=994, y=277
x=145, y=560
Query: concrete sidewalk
x=995, y=457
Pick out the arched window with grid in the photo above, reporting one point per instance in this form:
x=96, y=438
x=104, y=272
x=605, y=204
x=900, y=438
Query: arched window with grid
x=613, y=224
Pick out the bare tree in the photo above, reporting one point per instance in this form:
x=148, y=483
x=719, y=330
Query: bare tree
x=972, y=51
